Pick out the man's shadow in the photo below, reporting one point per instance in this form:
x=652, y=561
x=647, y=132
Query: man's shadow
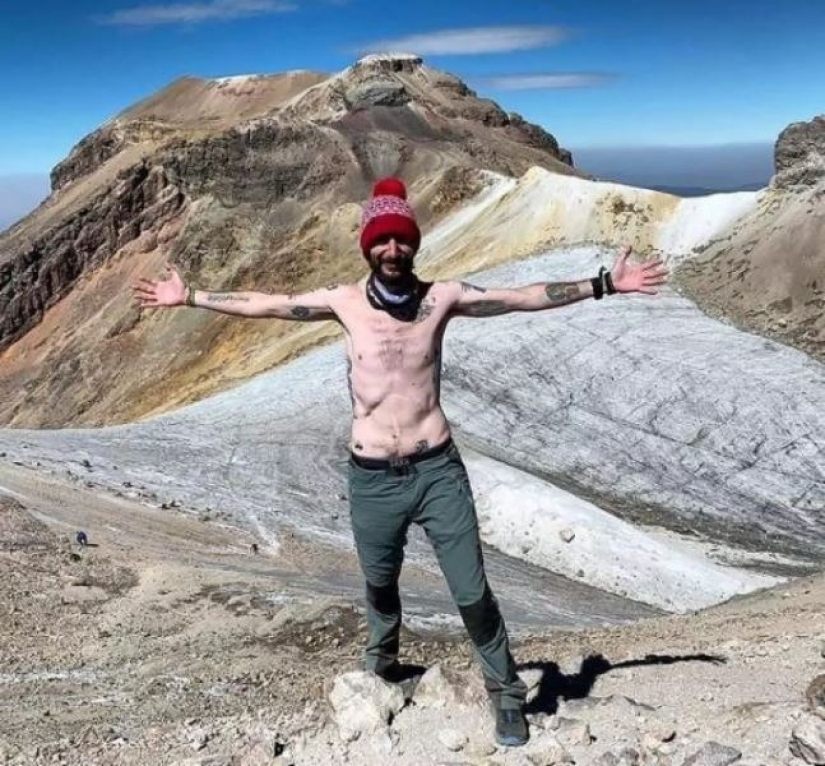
x=555, y=685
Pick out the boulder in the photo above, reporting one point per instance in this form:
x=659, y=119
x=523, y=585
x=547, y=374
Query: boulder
x=808, y=740
x=363, y=704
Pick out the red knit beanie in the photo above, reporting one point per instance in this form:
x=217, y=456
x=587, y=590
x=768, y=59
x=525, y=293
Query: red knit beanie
x=388, y=214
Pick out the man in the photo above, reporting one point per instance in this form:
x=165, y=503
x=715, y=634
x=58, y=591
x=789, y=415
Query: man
x=404, y=467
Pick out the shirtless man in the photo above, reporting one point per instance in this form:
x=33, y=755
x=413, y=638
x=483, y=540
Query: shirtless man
x=403, y=466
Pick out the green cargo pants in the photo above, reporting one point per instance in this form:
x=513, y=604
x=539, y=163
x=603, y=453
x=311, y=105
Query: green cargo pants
x=431, y=490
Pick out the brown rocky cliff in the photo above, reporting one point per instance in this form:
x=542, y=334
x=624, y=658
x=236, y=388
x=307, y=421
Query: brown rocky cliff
x=245, y=183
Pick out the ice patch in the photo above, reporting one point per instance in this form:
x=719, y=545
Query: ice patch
x=529, y=518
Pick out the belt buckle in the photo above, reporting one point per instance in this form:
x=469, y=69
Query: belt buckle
x=400, y=465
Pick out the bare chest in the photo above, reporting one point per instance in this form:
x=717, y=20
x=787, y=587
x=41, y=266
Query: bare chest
x=380, y=344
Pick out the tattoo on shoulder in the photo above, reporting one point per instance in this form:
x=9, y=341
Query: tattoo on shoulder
x=562, y=292
x=425, y=308
x=466, y=287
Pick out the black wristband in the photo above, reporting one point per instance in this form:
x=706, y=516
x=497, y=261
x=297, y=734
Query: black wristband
x=609, y=288
x=598, y=287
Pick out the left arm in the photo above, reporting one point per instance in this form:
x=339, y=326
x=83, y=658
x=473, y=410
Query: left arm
x=625, y=277
x=472, y=301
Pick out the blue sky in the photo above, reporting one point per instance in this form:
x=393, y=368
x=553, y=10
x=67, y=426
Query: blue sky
x=595, y=74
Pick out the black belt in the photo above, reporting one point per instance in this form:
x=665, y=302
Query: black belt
x=400, y=462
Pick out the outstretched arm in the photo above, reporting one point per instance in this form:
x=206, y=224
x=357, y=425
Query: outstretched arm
x=174, y=291
x=625, y=278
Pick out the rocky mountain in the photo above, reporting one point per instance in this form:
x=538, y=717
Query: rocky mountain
x=766, y=272
x=243, y=182
x=628, y=457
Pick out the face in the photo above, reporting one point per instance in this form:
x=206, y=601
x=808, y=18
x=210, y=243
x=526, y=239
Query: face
x=392, y=260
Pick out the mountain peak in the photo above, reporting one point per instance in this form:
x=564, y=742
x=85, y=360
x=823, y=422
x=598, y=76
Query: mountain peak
x=390, y=58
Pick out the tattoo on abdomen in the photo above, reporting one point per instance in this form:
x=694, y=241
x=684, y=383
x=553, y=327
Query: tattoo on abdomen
x=562, y=292
x=422, y=446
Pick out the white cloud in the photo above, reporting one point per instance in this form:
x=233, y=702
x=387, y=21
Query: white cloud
x=194, y=13
x=546, y=81
x=459, y=42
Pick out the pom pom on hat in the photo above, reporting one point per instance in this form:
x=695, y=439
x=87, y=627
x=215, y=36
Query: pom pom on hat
x=388, y=214
x=389, y=187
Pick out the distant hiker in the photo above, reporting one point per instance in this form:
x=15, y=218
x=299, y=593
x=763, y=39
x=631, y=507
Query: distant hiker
x=253, y=548
x=82, y=539
x=404, y=466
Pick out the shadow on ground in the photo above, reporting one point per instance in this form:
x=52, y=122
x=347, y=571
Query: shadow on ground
x=555, y=685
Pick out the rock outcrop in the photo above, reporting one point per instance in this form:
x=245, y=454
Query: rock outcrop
x=799, y=154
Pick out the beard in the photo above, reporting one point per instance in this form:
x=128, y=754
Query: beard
x=395, y=272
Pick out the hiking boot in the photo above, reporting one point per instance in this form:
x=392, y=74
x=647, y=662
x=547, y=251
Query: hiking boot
x=511, y=727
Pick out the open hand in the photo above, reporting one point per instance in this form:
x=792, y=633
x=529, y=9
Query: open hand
x=151, y=293
x=637, y=277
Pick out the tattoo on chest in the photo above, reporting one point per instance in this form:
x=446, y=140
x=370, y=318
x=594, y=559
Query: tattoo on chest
x=562, y=292
x=391, y=354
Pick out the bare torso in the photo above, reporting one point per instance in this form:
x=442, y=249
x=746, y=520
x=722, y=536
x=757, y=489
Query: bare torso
x=394, y=370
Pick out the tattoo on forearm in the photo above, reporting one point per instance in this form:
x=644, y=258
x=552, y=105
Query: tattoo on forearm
x=466, y=287
x=300, y=312
x=485, y=309
x=226, y=298
x=559, y=293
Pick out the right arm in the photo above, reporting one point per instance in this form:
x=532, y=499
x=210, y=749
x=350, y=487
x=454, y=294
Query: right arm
x=315, y=305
